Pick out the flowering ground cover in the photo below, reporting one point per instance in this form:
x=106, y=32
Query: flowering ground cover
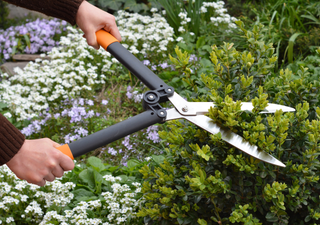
x=36, y=36
x=61, y=202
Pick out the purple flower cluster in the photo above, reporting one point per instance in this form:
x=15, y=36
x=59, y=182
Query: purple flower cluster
x=152, y=134
x=75, y=112
x=130, y=145
x=132, y=94
x=36, y=125
x=40, y=33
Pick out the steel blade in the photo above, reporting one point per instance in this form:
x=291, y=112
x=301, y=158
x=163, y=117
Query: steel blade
x=271, y=108
x=201, y=108
x=227, y=135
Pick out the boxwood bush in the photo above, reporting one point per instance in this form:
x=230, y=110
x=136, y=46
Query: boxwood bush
x=205, y=180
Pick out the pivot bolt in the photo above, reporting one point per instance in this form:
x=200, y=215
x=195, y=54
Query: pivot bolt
x=185, y=109
x=151, y=97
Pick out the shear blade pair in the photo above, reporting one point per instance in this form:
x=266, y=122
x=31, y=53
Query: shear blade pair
x=195, y=112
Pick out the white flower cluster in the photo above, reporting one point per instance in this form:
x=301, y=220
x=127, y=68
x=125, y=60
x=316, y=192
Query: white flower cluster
x=31, y=202
x=76, y=68
x=144, y=34
x=221, y=16
x=37, y=204
x=120, y=204
x=45, y=83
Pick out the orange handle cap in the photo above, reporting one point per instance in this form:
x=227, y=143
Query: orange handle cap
x=104, y=38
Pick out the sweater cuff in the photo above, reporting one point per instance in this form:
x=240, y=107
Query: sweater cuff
x=11, y=140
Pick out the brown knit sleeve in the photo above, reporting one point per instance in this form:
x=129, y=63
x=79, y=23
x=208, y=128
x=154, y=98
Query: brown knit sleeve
x=11, y=140
x=62, y=9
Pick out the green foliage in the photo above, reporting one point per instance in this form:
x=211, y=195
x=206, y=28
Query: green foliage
x=116, y=5
x=89, y=180
x=291, y=25
x=174, y=8
x=206, y=181
x=4, y=12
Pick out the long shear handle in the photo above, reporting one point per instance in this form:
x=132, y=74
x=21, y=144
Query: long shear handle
x=134, y=65
x=110, y=134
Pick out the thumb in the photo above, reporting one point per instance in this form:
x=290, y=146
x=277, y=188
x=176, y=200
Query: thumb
x=92, y=39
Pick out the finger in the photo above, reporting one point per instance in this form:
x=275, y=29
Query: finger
x=42, y=183
x=66, y=163
x=50, y=177
x=39, y=183
x=92, y=39
x=57, y=171
x=114, y=31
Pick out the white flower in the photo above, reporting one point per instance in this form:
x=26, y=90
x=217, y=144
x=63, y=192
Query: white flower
x=7, y=115
x=147, y=159
x=179, y=39
x=153, y=10
x=9, y=220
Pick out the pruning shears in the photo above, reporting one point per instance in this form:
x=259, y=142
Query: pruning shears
x=159, y=92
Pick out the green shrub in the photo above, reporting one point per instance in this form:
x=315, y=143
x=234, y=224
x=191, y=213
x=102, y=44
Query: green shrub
x=291, y=25
x=203, y=180
x=4, y=12
x=116, y=5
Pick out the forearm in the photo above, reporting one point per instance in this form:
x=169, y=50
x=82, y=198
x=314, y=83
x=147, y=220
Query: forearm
x=63, y=9
x=11, y=140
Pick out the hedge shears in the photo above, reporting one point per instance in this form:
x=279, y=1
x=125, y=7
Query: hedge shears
x=159, y=92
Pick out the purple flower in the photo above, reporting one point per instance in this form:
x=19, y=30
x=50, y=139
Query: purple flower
x=69, y=138
x=90, y=114
x=81, y=101
x=36, y=125
x=164, y=65
x=138, y=98
x=112, y=151
x=104, y=102
x=56, y=116
x=126, y=142
x=129, y=95
x=82, y=131
x=193, y=57
x=146, y=62
x=27, y=131
x=90, y=102
x=64, y=112
x=129, y=89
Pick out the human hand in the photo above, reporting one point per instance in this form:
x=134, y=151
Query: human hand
x=90, y=19
x=39, y=161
